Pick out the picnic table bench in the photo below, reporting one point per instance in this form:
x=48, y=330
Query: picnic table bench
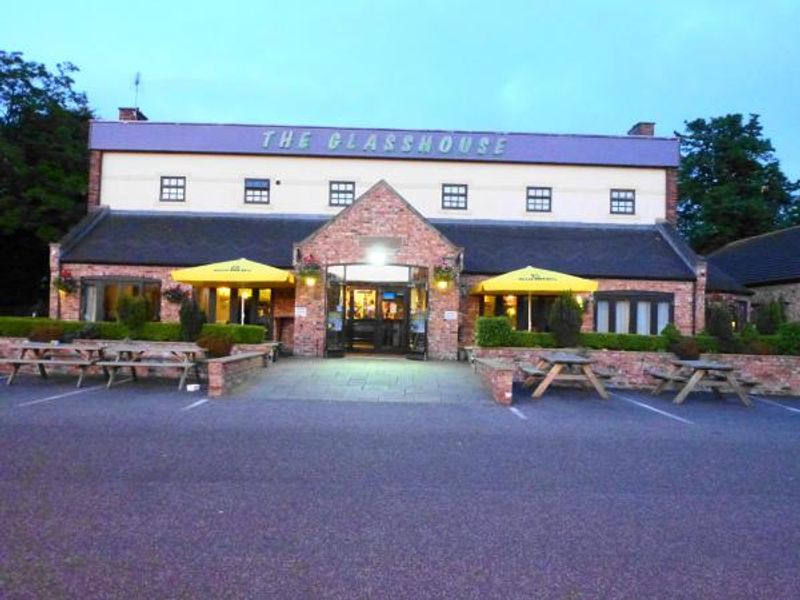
x=45, y=354
x=134, y=355
x=716, y=376
x=563, y=367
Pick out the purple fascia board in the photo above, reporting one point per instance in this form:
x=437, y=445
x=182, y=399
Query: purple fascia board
x=277, y=140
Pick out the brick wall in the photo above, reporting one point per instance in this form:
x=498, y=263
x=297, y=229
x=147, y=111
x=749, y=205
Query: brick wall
x=775, y=374
x=498, y=378
x=380, y=213
x=672, y=196
x=95, y=176
x=233, y=372
x=788, y=292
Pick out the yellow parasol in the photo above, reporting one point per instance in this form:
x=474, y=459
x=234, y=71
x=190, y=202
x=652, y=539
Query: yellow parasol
x=533, y=281
x=240, y=273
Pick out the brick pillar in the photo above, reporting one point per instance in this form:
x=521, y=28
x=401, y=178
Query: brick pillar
x=443, y=332
x=95, y=174
x=55, y=267
x=700, y=296
x=672, y=196
x=309, y=330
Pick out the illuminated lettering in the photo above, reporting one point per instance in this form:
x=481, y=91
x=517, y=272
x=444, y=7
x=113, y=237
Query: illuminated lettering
x=286, y=139
x=464, y=144
x=483, y=145
x=267, y=138
x=500, y=146
x=425, y=143
x=408, y=142
x=351, y=142
x=388, y=144
x=334, y=140
x=445, y=144
x=305, y=140
x=372, y=142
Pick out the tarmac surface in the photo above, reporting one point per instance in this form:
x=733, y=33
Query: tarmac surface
x=145, y=492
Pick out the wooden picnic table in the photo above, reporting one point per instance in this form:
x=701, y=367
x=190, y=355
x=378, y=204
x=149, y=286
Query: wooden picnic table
x=564, y=366
x=133, y=355
x=44, y=354
x=717, y=376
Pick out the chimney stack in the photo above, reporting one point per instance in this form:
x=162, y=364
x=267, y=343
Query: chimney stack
x=131, y=114
x=643, y=128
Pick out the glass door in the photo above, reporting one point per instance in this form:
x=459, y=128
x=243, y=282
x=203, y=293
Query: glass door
x=362, y=318
x=335, y=319
x=392, y=319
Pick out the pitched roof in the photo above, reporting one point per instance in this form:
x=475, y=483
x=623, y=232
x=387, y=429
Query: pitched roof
x=764, y=259
x=421, y=144
x=627, y=252
x=718, y=280
x=490, y=247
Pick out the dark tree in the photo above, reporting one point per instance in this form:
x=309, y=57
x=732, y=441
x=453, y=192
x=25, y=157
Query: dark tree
x=43, y=172
x=730, y=183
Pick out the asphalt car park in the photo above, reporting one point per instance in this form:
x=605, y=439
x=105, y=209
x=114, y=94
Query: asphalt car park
x=143, y=491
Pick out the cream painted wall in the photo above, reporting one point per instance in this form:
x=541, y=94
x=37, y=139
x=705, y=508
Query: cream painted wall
x=215, y=183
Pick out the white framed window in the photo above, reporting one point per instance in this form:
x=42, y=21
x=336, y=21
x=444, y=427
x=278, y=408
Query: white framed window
x=643, y=313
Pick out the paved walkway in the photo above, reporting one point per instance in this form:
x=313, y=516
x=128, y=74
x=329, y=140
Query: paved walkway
x=376, y=379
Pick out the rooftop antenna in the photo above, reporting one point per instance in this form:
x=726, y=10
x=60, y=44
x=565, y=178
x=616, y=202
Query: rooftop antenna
x=137, y=79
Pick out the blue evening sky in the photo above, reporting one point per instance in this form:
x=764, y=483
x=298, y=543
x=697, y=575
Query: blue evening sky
x=565, y=67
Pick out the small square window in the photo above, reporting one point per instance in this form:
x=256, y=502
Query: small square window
x=341, y=193
x=256, y=191
x=173, y=189
x=454, y=195
x=623, y=202
x=539, y=199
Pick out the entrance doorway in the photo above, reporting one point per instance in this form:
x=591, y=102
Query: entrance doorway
x=376, y=309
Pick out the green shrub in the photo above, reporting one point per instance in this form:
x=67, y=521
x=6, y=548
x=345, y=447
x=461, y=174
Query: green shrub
x=788, y=338
x=191, y=319
x=493, y=331
x=46, y=332
x=159, y=332
x=112, y=331
x=719, y=323
x=565, y=319
x=532, y=339
x=671, y=335
x=624, y=341
x=241, y=334
x=687, y=349
x=216, y=345
x=769, y=317
x=133, y=312
x=706, y=343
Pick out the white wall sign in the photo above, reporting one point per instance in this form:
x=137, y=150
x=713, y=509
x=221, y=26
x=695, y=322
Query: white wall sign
x=300, y=311
x=450, y=315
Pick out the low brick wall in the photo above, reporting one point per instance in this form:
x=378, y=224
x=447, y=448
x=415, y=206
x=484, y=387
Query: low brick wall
x=775, y=374
x=231, y=372
x=497, y=376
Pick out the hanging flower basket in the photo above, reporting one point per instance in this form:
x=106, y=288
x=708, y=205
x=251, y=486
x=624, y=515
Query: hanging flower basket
x=443, y=274
x=309, y=270
x=65, y=282
x=175, y=294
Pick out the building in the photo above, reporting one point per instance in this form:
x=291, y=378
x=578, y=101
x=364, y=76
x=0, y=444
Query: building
x=768, y=264
x=381, y=211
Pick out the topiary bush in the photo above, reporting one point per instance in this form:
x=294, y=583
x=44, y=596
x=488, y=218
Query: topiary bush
x=192, y=320
x=216, y=345
x=493, y=332
x=788, y=338
x=133, y=312
x=769, y=317
x=46, y=332
x=687, y=349
x=565, y=320
x=719, y=323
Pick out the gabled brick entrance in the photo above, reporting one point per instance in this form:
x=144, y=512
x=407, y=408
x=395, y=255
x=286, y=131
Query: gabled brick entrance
x=380, y=213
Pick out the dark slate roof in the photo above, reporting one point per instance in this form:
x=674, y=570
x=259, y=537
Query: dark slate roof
x=149, y=136
x=719, y=280
x=763, y=259
x=182, y=239
x=628, y=252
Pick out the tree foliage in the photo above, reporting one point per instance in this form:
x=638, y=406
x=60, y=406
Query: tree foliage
x=730, y=183
x=43, y=170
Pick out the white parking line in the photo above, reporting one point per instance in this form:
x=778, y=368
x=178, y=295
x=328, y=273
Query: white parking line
x=764, y=400
x=652, y=408
x=518, y=412
x=57, y=396
x=195, y=404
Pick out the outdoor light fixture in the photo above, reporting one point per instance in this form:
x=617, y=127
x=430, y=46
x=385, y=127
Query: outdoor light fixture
x=311, y=281
x=377, y=256
x=442, y=284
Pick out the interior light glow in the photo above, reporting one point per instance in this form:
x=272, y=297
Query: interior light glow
x=377, y=255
